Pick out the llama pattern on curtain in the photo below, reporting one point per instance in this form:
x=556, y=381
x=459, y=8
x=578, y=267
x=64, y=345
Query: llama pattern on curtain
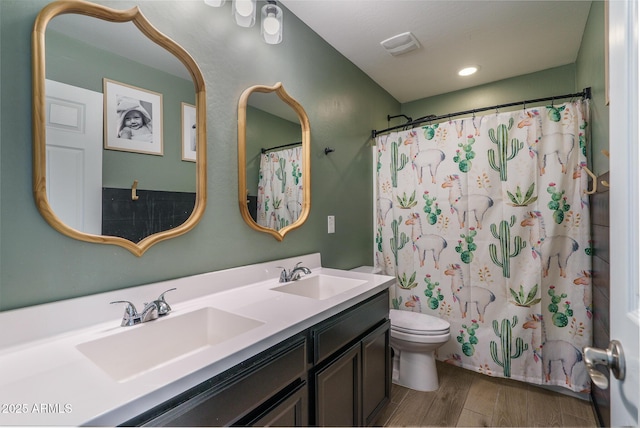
x=280, y=188
x=484, y=221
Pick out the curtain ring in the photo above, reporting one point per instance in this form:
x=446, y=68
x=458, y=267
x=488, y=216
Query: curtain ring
x=473, y=115
x=524, y=105
x=552, y=100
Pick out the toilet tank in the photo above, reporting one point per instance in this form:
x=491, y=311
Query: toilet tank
x=367, y=269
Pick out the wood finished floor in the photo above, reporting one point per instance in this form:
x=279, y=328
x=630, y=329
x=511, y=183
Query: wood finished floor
x=468, y=399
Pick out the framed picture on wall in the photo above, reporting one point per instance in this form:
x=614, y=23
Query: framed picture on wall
x=188, y=132
x=132, y=119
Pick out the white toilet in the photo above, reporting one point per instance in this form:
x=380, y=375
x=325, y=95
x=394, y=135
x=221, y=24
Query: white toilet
x=414, y=338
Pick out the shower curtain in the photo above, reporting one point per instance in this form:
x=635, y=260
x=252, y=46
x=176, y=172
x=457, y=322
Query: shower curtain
x=484, y=221
x=280, y=188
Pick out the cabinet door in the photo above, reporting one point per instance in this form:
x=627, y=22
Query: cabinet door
x=288, y=412
x=376, y=372
x=337, y=389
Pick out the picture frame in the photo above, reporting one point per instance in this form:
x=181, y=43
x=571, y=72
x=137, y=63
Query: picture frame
x=189, y=134
x=132, y=119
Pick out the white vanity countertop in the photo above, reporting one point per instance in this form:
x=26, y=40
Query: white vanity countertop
x=46, y=380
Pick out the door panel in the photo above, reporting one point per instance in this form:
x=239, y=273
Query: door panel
x=625, y=204
x=74, y=155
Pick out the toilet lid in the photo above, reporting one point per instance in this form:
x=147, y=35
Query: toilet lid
x=417, y=323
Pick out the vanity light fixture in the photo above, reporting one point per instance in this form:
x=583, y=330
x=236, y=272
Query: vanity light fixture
x=468, y=71
x=271, y=23
x=244, y=12
x=215, y=3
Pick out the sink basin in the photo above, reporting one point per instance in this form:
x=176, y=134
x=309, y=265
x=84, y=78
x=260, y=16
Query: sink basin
x=147, y=346
x=320, y=287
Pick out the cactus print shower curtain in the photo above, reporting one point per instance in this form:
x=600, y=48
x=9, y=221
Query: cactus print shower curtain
x=485, y=223
x=280, y=188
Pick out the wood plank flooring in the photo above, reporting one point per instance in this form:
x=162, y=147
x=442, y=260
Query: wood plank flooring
x=469, y=399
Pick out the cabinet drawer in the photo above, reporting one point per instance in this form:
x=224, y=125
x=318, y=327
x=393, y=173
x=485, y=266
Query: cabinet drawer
x=224, y=400
x=342, y=329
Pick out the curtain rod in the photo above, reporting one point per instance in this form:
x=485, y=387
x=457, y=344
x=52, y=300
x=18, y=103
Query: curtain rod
x=586, y=93
x=263, y=150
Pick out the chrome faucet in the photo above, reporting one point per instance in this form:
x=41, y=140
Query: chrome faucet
x=294, y=274
x=151, y=311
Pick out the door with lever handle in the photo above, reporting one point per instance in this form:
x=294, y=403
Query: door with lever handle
x=612, y=358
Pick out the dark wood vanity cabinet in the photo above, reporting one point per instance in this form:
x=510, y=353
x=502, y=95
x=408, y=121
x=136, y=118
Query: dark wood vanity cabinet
x=337, y=372
x=270, y=387
x=351, y=378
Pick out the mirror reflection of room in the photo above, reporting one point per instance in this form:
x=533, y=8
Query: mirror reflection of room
x=274, y=162
x=97, y=198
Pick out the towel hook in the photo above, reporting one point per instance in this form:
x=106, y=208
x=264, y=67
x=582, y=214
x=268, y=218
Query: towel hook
x=134, y=193
x=594, y=179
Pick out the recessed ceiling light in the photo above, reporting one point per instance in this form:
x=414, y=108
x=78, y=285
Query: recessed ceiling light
x=468, y=71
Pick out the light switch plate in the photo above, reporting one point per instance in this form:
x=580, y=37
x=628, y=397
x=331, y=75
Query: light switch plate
x=331, y=224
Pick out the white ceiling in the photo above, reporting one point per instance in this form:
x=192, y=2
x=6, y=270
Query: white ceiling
x=505, y=38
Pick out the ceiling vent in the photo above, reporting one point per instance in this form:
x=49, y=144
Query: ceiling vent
x=400, y=44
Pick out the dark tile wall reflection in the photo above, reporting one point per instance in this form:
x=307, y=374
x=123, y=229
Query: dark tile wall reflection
x=153, y=212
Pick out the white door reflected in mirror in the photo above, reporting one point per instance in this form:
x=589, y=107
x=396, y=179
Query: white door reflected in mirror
x=74, y=155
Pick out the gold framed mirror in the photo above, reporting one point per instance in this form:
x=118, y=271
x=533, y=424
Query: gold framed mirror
x=165, y=170
x=273, y=131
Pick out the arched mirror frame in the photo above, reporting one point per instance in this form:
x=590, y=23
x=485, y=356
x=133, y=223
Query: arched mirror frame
x=242, y=156
x=135, y=16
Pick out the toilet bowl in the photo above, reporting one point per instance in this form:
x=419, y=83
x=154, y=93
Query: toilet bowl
x=414, y=339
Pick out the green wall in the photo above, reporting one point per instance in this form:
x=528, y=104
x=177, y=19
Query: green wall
x=587, y=71
x=265, y=130
x=37, y=264
x=554, y=81
x=41, y=265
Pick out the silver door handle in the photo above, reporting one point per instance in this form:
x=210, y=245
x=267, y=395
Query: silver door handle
x=612, y=358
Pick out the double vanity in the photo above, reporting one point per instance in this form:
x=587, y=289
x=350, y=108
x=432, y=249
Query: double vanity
x=237, y=347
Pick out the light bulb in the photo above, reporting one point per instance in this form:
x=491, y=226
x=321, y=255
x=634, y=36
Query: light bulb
x=468, y=71
x=271, y=27
x=271, y=24
x=244, y=7
x=244, y=12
